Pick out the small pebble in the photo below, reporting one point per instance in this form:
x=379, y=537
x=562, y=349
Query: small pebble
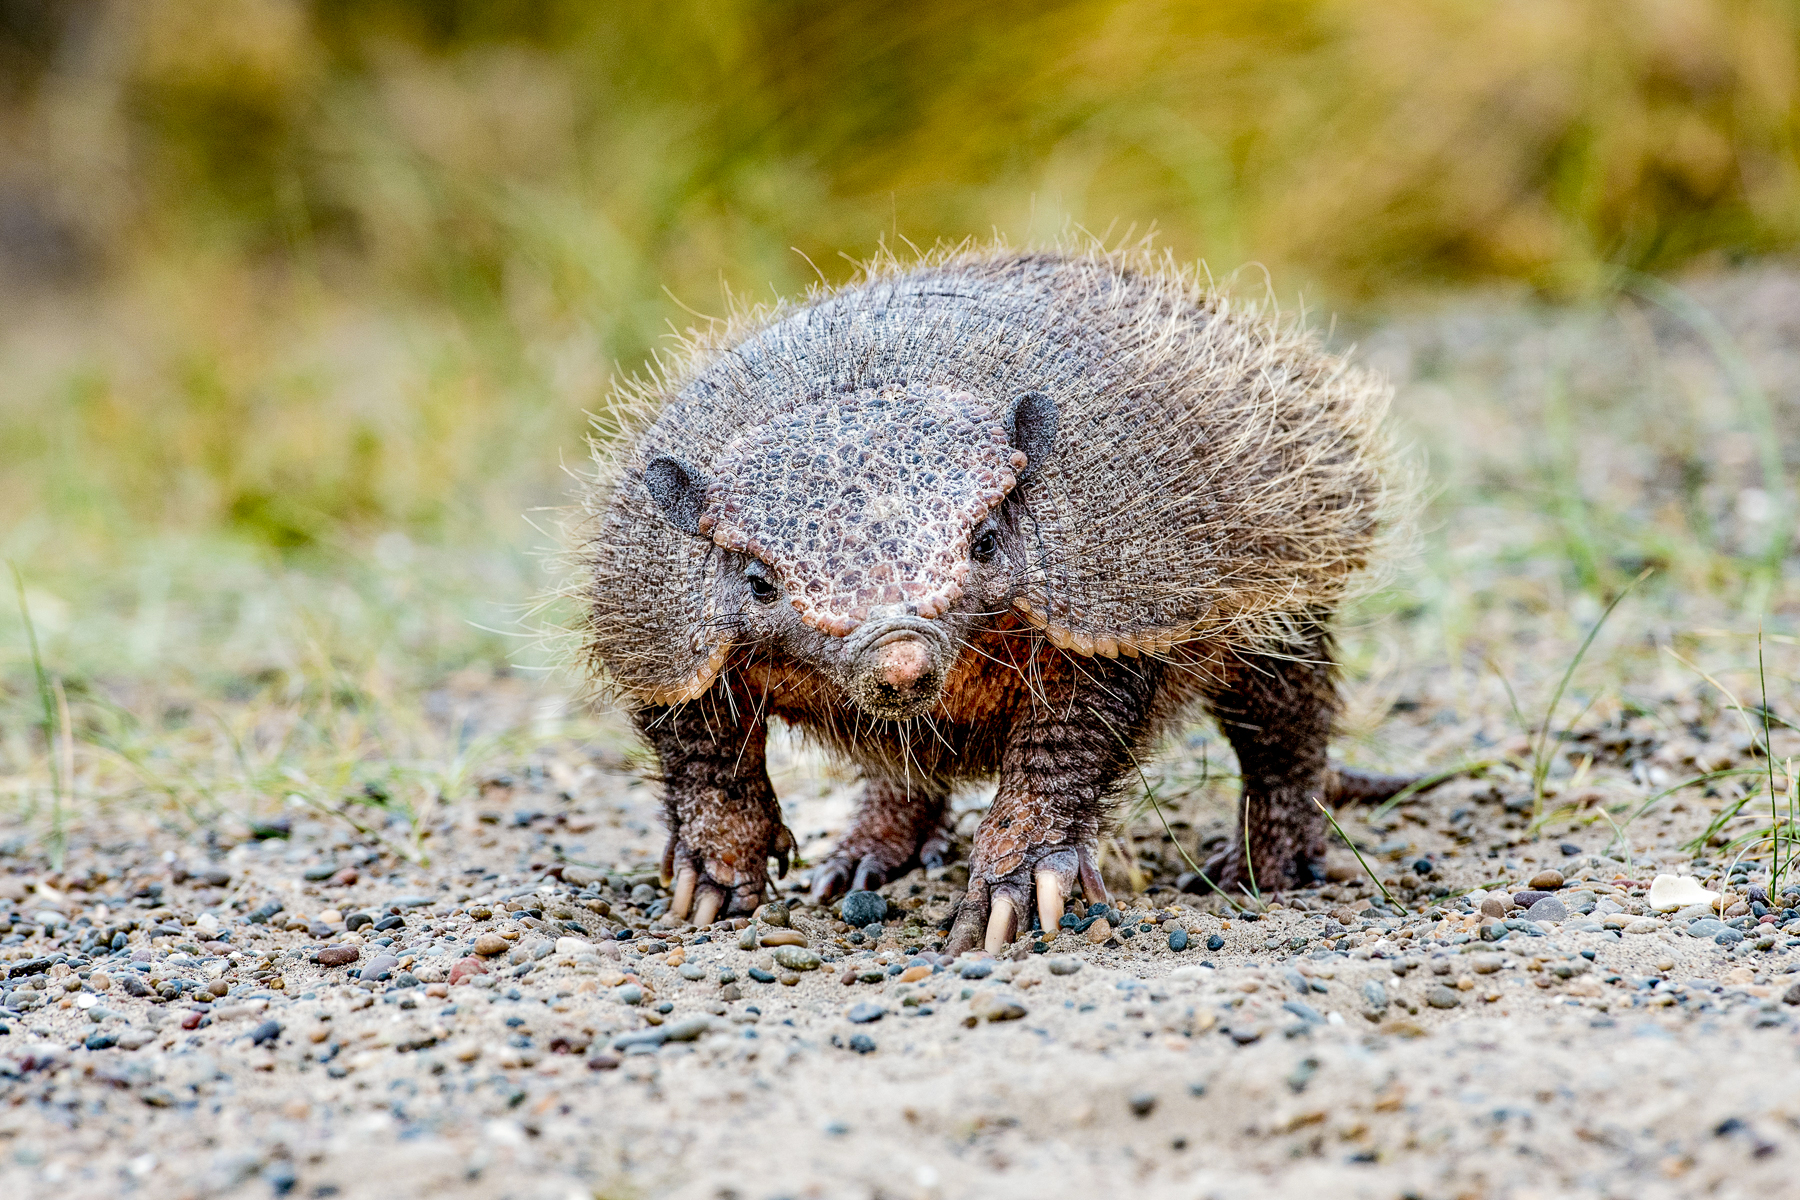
x=335, y=956
x=864, y=908
x=1215, y=942
x=796, y=958
x=380, y=967
x=992, y=1007
x=268, y=1031
x=490, y=944
x=1492, y=907
x=688, y=1029
x=1142, y=1103
x=862, y=1014
x=1064, y=966
x=774, y=913
x=1178, y=939
x=467, y=968
x=1547, y=880
x=862, y=1043
x=1099, y=931
x=1547, y=909
x=1442, y=997
x=783, y=937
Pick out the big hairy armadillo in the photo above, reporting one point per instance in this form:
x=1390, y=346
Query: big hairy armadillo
x=987, y=514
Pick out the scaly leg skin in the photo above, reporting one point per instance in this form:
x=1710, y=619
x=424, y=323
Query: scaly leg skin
x=1277, y=714
x=724, y=821
x=1064, y=759
x=898, y=824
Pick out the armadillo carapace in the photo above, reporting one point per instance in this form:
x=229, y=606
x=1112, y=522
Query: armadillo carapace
x=991, y=514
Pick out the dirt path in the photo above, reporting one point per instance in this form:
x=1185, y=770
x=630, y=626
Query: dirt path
x=1323, y=1049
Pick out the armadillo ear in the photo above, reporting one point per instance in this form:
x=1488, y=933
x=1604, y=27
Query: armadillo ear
x=1031, y=427
x=679, y=490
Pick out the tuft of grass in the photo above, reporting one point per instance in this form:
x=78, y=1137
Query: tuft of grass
x=1540, y=749
x=59, y=746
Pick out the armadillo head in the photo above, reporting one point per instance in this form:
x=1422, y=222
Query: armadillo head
x=864, y=528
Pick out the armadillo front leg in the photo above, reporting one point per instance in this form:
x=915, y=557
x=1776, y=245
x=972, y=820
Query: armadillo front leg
x=724, y=820
x=1064, y=759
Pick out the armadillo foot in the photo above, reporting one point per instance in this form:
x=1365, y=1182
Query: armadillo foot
x=878, y=851
x=707, y=887
x=995, y=911
x=1225, y=873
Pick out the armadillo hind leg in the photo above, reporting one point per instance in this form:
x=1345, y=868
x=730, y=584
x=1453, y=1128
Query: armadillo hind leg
x=723, y=818
x=1039, y=840
x=899, y=824
x=1276, y=713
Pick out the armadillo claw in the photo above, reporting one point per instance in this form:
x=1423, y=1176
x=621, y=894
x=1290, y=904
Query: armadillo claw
x=994, y=912
x=859, y=866
x=706, y=888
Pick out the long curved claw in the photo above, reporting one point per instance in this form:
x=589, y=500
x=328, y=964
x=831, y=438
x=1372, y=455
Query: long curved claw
x=938, y=849
x=1092, y=886
x=869, y=876
x=746, y=897
x=784, y=846
x=685, y=879
x=829, y=880
x=971, y=918
x=707, y=910
x=1001, y=926
x=666, y=872
x=1049, y=900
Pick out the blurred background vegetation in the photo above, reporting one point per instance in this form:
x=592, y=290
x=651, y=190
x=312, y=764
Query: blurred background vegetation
x=360, y=264
x=302, y=303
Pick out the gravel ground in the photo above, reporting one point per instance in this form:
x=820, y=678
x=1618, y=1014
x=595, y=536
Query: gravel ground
x=172, y=1030
x=196, y=1006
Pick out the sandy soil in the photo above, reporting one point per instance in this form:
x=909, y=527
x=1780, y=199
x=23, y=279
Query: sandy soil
x=1614, y=1055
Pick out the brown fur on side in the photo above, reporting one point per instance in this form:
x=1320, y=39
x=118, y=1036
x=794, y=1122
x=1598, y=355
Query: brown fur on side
x=985, y=514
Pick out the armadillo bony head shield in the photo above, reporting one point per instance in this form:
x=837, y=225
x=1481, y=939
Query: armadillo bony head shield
x=858, y=510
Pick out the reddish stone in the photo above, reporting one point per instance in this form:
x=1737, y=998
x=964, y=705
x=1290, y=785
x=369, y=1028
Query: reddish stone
x=343, y=878
x=467, y=967
x=335, y=956
x=191, y=1020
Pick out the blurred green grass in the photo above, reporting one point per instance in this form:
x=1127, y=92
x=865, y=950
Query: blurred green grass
x=302, y=304
x=347, y=266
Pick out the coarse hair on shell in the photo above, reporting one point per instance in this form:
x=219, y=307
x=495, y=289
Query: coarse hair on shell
x=1216, y=476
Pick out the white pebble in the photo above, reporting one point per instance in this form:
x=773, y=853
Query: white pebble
x=1670, y=892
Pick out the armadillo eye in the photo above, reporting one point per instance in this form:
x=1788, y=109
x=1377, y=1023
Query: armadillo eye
x=762, y=587
x=986, y=546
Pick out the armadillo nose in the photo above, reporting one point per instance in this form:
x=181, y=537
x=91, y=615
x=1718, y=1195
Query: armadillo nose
x=901, y=664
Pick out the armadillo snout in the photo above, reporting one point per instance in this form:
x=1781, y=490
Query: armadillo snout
x=901, y=665
x=899, y=672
